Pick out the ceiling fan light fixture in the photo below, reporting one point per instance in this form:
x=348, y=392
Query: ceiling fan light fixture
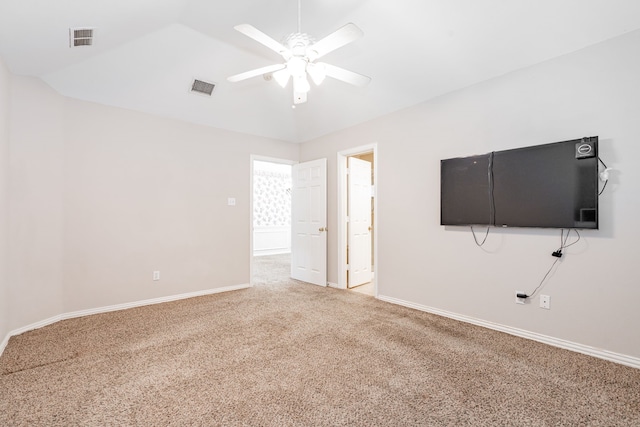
x=282, y=77
x=301, y=84
x=317, y=72
x=299, y=98
x=297, y=66
x=300, y=51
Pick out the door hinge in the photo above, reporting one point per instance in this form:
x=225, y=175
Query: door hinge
x=348, y=267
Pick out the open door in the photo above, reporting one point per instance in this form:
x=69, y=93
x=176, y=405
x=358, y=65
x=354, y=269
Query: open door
x=309, y=222
x=359, y=225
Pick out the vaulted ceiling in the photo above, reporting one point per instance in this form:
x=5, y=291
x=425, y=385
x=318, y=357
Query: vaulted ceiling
x=146, y=53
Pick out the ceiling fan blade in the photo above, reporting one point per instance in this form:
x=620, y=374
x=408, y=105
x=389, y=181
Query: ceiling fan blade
x=335, y=40
x=252, y=32
x=345, y=75
x=256, y=72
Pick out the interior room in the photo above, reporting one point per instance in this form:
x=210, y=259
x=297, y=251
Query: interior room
x=271, y=208
x=128, y=133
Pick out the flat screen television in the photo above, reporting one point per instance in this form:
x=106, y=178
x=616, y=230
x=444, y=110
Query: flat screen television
x=548, y=186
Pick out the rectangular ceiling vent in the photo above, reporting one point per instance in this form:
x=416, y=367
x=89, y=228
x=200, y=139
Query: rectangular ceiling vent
x=202, y=87
x=80, y=37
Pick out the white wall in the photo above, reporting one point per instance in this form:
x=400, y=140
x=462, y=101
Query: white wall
x=101, y=197
x=145, y=193
x=36, y=220
x=4, y=200
x=595, y=290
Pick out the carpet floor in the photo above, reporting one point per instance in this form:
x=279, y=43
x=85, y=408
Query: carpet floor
x=292, y=354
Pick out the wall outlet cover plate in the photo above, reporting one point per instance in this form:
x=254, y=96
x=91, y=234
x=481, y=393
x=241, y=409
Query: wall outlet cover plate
x=545, y=301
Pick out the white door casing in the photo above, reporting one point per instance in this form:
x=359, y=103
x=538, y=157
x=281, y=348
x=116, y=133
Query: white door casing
x=359, y=225
x=341, y=226
x=309, y=222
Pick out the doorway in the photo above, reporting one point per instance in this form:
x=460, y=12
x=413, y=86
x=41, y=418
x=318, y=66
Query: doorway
x=270, y=219
x=356, y=226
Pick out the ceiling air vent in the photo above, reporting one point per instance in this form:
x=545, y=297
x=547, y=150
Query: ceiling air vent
x=80, y=37
x=202, y=87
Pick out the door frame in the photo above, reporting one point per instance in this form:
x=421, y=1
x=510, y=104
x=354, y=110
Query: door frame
x=342, y=212
x=252, y=158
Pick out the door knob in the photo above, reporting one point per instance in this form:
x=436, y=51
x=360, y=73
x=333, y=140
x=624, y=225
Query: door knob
x=369, y=228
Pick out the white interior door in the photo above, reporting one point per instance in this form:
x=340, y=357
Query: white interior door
x=309, y=222
x=359, y=225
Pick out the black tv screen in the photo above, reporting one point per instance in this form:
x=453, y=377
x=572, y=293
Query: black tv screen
x=464, y=192
x=551, y=186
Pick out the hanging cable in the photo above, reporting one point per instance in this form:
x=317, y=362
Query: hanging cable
x=600, y=160
x=476, y=239
x=492, y=204
x=492, y=201
x=558, y=255
x=543, y=279
x=604, y=175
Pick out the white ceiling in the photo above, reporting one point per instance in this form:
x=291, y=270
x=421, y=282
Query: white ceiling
x=147, y=52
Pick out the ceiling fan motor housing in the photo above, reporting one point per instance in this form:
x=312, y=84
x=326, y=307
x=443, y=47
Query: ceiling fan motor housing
x=298, y=42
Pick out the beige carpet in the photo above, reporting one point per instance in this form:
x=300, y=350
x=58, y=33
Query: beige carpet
x=291, y=354
x=271, y=268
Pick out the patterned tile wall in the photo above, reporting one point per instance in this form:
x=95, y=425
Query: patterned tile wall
x=271, y=198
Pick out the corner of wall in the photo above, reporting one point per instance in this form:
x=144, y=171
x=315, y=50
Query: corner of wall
x=4, y=203
x=33, y=203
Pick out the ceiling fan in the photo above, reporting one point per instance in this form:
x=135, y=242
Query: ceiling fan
x=300, y=53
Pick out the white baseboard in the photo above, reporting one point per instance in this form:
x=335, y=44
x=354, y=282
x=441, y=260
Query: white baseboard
x=4, y=342
x=622, y=359
x=335, y=285
x=267, y=252
x=116, y=307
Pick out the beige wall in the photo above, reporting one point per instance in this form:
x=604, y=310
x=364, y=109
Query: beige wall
x=4, y=199
x=101, y=197
x=36, y=222
x=594, y=292
x=145, y=193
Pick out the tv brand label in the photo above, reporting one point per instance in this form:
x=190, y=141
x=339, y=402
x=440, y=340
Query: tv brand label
x=585, y=149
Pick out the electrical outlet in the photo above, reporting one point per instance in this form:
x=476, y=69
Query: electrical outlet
x=156, y=275
x=519, y=300
x=545, y=301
